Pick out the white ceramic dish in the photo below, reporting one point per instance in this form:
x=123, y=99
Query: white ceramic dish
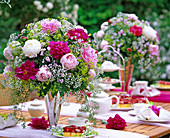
x=58, y=136
x=113, y=81
x=154, y=121
x=161, y=88
x=132, y=112
x=121, y=109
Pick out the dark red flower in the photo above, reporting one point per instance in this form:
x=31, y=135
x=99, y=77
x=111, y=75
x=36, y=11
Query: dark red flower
x=129, y=49
x=109, y=21
x=39, y=123
x=136, y=30
x=58, y=49
x=26, y=71
x=23, y=38
x=116, y=123
x=78, y=35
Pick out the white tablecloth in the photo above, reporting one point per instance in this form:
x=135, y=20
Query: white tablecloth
x=73, y=108
x=19, y=132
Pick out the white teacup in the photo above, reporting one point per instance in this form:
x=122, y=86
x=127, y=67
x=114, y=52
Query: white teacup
x=78, y=121
x=138, y=106
x=141, y=83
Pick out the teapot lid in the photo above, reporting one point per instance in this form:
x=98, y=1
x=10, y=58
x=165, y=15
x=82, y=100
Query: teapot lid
x=35, y=102
x=102, y=95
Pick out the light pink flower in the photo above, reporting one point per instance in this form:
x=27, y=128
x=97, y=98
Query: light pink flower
x=100, y=34
x=69, y=61
x=132, y=17
x=104, y=26
x=92, y=74
x=43, y=74
x=153, y=50
x=103, y=44
x=50, y=25
x=7, y=69
x=8, y=53
x=90, y=57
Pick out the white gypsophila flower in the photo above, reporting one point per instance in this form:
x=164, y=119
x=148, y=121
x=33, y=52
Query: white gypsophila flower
x=163, y=76
x=39, y=7
x=104, y=26
x=49, y=5
x=168, y=69
x=45, y=10
x=149, y=32
x=132, y=17
x=32, y=48
x=37, y=3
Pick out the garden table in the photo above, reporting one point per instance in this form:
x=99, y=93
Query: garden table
x=152, y=131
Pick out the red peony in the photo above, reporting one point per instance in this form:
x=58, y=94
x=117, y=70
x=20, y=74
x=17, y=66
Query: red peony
x=26, y=71
x=39, y=123
x=116, y=123
x=136, y=30
x=78, y=34
x=58, y=49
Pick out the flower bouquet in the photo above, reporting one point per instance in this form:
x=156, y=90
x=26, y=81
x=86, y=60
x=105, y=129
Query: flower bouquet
x=135, y=40
x=51, y=56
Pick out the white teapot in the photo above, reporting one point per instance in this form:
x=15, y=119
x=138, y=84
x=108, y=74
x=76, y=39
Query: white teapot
x=104, y=102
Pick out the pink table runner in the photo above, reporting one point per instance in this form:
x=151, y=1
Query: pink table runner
x=164, y=97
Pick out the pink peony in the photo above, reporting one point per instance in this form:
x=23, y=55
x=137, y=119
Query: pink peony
x=116, y=123
x=153, y=50
x=43, y=74
x=7, y=70
x=78, y=34
x=100, y=34
x=69, y=61
x=89, y=56
x=92, y=74
x=39, y=123
x=103, y=44
x=132, y=17
x=26, y=71
x=50, y=26
x=58, y=49
x=136, y=30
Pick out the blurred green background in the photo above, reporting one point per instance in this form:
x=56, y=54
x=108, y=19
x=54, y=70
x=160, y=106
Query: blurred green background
x=91, y=14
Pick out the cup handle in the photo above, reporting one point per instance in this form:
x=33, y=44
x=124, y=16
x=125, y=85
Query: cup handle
x=117, y=98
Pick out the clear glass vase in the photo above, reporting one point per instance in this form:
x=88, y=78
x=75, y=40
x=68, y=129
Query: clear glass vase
x=53, y=106
x=125, y=75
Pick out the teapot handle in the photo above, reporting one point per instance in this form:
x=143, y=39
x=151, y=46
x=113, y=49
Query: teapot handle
x=117, y=98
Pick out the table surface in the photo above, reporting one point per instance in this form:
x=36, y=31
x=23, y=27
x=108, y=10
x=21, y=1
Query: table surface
x=150, y=130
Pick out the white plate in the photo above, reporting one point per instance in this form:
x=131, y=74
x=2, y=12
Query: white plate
x=161, y=88
x=113, y=81
x=121, y=109
x=154, y=121
x=73, y=137
x=132, y=112
x=111, y=70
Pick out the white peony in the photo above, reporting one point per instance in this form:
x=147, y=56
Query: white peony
x=104, y=26
x=32, y=48
x=49, y=5
x=149, y=32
